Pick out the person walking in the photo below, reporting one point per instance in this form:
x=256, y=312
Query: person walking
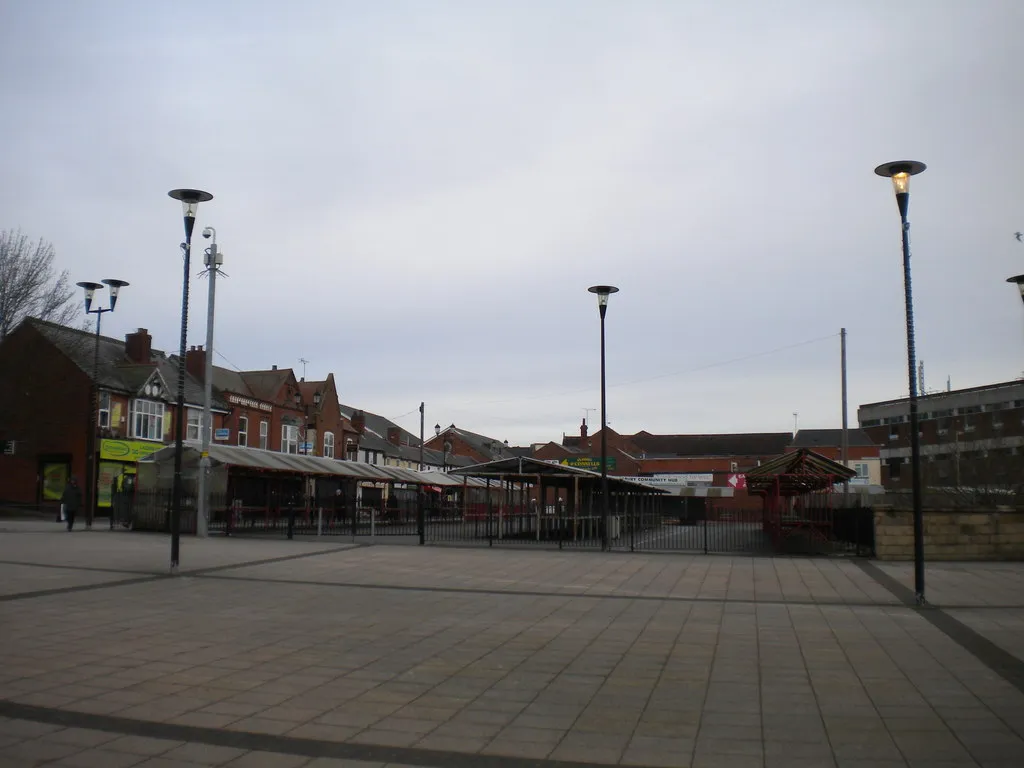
x=71, y=499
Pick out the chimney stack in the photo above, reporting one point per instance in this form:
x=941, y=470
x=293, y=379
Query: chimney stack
x=394, y=435
x=138, y=346
x=273, y=367
x=195, y=363
x=583, y=430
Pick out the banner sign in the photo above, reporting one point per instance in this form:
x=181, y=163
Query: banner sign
x=127, y=450
x=588, y=462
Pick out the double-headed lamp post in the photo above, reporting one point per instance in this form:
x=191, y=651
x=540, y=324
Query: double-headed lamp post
x=190, y=200
x=603, y=292
x=91, y=474
x=900, y=173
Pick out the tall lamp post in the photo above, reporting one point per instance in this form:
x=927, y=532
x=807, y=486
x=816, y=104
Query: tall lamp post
x=190, y=200
x=91, y=473
x=603, y=292
x=900, y=173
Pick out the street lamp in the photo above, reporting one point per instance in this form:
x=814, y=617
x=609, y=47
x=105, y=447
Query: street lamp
x=91, y=475
x=900, y=173
x=603, y=292
x=1019, y=280
x=190, y=200
x=444, y=456
x=305, y=412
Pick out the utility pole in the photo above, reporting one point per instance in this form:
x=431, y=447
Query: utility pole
x=844, y=445
x=421, y=437
x=214, y=259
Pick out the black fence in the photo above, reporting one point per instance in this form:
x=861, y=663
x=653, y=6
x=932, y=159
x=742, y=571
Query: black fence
x=669, y=525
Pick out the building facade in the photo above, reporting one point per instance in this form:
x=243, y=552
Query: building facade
x=45, y=409
x=970, y=438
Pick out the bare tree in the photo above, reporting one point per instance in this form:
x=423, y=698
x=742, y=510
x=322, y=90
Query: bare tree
x=29, y=284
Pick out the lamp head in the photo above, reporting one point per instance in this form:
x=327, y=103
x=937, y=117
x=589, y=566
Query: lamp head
x=316, y=398
x=90, y=291
x=1019, y=280
x=900, y=172
x=603, y=292
x=190, y=200
x=115, y=286
x=437, y=430
x=297, y=397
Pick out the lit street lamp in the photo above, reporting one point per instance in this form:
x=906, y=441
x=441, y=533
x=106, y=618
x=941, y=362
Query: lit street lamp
x=91, y=474
x=603, y=292
x=900, y=173
x=190, y=200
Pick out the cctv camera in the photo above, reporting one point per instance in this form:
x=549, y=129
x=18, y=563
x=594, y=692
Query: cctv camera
x=208, y=232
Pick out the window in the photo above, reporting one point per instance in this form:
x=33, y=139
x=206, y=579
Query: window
x=894, y=468
x=147, y=420
x=264, y=428
x=289, y=438
x=194, y=416
x=243, y=430
x=870, y=423
x=329, y=445
x=862, y=470
x=103, y=417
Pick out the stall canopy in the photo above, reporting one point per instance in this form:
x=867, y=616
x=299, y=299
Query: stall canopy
x=797, y=473
x=272, y=461
x=524, y=469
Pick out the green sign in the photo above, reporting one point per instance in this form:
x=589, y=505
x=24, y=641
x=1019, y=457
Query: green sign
x=588, y=462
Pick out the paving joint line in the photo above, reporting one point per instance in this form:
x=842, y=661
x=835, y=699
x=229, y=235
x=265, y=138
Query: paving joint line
x=997, y=659
x=146, y=577
x=542, y=593
x=266, y=742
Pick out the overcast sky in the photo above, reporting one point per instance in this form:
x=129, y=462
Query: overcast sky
x=415, y=196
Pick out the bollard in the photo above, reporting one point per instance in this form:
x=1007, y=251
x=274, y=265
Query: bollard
x=319, y=521
x=291, y=522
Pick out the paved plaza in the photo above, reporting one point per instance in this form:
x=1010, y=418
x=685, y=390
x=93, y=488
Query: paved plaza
x=333, y=654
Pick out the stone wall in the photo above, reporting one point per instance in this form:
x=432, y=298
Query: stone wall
x=951, y=534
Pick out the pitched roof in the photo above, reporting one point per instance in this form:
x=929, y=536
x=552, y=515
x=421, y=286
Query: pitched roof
x=487, y=446
x=266, y=384
x=740, y=444
x=379, y=425
x=831, y=438
x=116, y=372
x=800, y=471
x=227, y=380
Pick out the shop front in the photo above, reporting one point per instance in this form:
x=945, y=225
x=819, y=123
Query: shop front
x=117, y=466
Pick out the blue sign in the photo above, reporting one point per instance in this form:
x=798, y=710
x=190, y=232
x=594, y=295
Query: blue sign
x=222, y=434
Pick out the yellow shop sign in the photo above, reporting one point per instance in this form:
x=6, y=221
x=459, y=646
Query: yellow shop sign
x=127, y=450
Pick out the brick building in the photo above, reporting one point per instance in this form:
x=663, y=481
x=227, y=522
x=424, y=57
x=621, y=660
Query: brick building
x=970, y=438
x=45, y=375
x=701, y=461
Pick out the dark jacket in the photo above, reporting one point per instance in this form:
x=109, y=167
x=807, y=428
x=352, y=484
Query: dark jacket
x=71, y=498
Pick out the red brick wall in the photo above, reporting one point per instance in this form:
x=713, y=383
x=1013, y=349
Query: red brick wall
x=44, y=405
